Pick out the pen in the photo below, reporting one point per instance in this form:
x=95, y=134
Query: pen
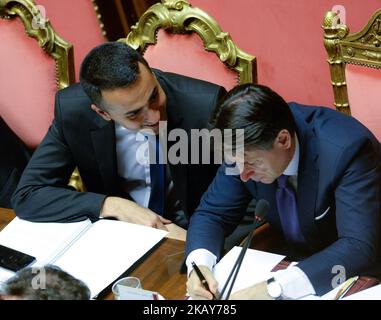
x=347, y=285
x=202, y=279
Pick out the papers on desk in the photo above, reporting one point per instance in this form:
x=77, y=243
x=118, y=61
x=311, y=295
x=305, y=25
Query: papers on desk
x=256, y=267
x=96, y=253
x=373, y=293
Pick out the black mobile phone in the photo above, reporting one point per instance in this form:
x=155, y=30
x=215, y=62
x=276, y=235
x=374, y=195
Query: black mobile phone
x=14, y=260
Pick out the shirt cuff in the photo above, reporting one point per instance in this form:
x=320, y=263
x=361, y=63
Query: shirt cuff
x=201, y=257
x=294, y=283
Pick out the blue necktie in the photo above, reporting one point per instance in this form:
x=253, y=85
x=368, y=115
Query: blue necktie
x=288, y=211
x=157, y=171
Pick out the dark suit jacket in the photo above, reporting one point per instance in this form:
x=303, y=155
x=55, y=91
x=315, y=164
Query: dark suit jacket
x=338, y=198
x=80, y=137
x=14, y=156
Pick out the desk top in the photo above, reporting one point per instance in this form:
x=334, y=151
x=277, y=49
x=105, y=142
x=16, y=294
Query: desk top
x=158, y=272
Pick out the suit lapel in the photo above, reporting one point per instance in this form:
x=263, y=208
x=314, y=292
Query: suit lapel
x=178, y=172
x=308, y=177
x=103, y=139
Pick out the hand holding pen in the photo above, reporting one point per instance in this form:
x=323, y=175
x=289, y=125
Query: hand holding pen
x=201, y=277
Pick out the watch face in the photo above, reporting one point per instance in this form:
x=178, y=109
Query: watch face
x=274, y=289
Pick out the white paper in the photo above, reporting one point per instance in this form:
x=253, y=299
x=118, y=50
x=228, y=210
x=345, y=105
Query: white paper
x=256, y=267
x=107, y=250
x=373, y=293
x=41, y=240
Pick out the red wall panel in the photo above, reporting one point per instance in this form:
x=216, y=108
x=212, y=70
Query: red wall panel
x=287, y=39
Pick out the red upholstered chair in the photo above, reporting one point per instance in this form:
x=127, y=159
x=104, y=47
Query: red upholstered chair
x=34, y=63
x=77, y=21
x=355, y=63
x=176, y=37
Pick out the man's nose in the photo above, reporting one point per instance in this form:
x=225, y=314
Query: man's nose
x=152, y=116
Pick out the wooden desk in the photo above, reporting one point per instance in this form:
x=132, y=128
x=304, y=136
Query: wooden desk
x=158, y=272
x=6, y=215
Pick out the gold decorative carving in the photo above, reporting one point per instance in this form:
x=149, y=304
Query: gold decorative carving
x=176, y=4
x=178, y=16
x=76, y=181
x=373, y=37
x=99, y=17
x=360, y=48
x=47, y=38
x=372, y=55
x=333, y=32
x=39, y=28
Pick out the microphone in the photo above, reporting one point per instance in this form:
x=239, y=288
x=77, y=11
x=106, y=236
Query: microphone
x=261, y=211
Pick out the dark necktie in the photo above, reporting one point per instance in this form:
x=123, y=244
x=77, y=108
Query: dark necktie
x=157, y=171
x=288, y=211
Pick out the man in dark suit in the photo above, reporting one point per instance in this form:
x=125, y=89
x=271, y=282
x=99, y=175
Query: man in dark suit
x=320, y=172
x=14, y=156
x=101, y=126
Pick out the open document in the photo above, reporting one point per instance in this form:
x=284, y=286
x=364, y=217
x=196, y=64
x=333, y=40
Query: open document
x=256, y=267
x=96, y=253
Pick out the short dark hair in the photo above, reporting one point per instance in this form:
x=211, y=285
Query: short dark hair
x=58, y=285
x=109, y=66
x=256, y=109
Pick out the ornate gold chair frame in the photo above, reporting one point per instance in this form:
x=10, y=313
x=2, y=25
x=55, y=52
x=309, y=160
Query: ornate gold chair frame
x=360, y=48
x=179, y=17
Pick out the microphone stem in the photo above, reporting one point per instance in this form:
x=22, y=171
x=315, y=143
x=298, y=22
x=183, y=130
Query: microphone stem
x=261, y=210
x=239, y=261
x=237, y=264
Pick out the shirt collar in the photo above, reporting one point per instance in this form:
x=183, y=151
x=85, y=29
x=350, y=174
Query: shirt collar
x=138, y=135
x=292, y=168
x=120, y=128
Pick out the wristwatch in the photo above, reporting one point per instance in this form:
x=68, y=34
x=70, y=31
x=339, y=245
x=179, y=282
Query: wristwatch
x=274, y=289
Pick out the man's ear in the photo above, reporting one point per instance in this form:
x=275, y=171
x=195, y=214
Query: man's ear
x=101, y=112
x=284, y=139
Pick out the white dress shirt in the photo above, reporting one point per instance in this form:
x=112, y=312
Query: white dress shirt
x=133, y=164
x=294, y=282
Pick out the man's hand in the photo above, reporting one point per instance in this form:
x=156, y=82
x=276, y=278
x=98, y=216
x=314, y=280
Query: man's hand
x=129, y=211
x=255, y=292
x=176, y=232
x=195, y=288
